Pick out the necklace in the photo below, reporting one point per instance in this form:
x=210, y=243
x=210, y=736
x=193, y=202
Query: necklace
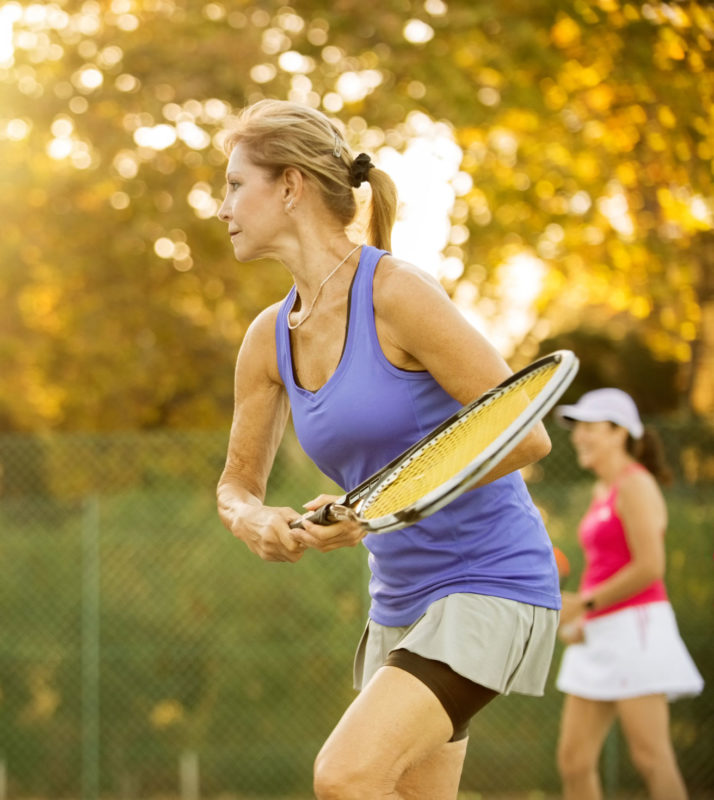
x=319, y=289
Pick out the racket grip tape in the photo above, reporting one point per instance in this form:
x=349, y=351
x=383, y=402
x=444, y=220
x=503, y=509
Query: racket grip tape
x=321, y=516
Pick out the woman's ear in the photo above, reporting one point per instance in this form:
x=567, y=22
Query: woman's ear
x=293, y=185
x=623, y=434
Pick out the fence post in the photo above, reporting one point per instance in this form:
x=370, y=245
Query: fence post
x=611, y=763
x=90, y=648
x=189, y=776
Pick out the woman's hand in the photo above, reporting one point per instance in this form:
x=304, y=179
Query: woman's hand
x=572, y=632
x=572, y=607
x=324, y=538
x=266, y=532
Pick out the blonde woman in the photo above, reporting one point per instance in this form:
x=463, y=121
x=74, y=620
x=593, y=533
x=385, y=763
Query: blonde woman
x=368, y=353
x=625, y=658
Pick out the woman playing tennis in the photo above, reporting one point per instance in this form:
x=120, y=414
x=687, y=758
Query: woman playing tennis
x=368, y=353
x=625, y=658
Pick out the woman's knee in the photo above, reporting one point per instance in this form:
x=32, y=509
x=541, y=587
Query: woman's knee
x=327, y=783
x=574, y=761
x=333, y=780
x=649, y=758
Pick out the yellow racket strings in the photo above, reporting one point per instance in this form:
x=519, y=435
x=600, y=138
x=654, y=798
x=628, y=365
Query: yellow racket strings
x=454, y=449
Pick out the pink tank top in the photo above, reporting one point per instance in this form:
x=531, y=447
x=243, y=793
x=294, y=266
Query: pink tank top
x=604, y=543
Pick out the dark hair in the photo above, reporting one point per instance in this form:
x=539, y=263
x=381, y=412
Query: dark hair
x=649, y=452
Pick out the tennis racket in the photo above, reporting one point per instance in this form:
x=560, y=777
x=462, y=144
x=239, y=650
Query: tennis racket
x=452, y=458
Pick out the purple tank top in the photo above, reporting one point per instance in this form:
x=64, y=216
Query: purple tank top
x=489, y=541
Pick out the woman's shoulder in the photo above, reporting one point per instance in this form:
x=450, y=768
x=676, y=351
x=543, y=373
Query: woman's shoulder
x=393, y=278
x=637, y=486
x=635, y=478
x=259, y=347
x=264, y=324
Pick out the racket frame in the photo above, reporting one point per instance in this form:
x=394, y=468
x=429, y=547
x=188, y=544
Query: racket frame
x=348, y=506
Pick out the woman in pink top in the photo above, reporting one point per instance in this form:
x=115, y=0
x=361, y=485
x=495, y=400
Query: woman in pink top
x=625, y=657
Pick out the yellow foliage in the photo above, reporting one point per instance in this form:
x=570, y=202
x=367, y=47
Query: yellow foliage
x=557, y=154
x=670, y=46
x=587, y=167
x=688, y=331
x=166, y=713
x=465, y=57
x=668, y=318
x=619, y=299
x=600, y=98
x=678, y=17
x=682, y=352
x=637, y=114
x=640, y=307
x=704, y=151
x=544, y=189
x=490, y=77
x=44, y=699
x=682, y=150
x=43, y=399
x=624, y=140
x=555, y=96
x=656, y=141
x=521, y=119
x=666, y=117
x=627, y=174
x=613, y=92
x=38, y=305
x=565, y=32
x=469, y=136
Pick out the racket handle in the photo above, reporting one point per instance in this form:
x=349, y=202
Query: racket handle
x=322, y=516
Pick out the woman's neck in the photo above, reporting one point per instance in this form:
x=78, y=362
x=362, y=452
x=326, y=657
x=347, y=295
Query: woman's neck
x=612, y=469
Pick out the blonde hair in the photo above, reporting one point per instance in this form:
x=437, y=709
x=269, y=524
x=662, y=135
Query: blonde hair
x=280, y=134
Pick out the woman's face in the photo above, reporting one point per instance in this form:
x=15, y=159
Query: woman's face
x=252, y=208
x=596, y=442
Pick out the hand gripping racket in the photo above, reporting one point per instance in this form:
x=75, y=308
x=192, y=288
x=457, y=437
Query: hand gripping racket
x=452, y=458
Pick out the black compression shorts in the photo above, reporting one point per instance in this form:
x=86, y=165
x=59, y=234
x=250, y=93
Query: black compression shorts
x=460, y=697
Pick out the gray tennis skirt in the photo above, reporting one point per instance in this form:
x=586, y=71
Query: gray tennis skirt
x=501, y=644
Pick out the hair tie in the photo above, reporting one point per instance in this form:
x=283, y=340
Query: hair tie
x=359, y=169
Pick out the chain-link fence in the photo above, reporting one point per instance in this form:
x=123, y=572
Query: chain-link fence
x=144, y=652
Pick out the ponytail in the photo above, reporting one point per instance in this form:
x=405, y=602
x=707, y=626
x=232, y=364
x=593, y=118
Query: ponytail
x=384, y=209
x=649, y=452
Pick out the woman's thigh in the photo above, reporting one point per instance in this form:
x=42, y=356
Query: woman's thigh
x=645, y=723
x=583, y=727
x=394, y=725
x=437, y=776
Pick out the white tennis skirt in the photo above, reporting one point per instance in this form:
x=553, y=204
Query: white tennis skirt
x=630, y=653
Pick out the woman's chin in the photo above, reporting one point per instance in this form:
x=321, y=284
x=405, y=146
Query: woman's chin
x=244, y=253
x=241, y=252
x=583, y=461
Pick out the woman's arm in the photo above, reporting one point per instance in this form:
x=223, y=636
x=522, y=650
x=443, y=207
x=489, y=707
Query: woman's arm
x=260, y=414
x=420, y=328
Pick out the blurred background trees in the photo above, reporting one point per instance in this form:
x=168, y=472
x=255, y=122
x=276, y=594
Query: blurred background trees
x=554, y=161
x=581, y=209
